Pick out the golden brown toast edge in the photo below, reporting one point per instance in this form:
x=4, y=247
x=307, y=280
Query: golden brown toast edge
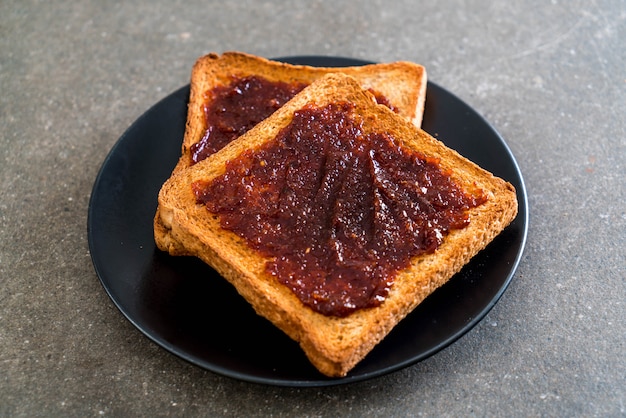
x=334, y=345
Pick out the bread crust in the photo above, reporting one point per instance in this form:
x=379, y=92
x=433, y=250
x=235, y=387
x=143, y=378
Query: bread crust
x=334, y=345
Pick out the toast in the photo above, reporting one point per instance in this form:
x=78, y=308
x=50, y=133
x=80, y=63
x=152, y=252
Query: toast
x=402, y=84
x=333, y=343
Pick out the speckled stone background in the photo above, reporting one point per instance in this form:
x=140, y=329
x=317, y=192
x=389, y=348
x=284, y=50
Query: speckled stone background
x=549, y=75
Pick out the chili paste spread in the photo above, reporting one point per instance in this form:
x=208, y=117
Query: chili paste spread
x=338, y=212
x=234, y=109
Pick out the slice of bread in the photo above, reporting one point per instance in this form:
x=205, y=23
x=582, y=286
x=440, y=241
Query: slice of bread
x=333, y=344
x=402, y=83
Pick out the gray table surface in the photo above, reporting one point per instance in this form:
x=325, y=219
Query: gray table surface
x=549, y=75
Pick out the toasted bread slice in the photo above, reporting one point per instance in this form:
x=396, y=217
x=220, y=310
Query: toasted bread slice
x=334, y=344
x=402, y=84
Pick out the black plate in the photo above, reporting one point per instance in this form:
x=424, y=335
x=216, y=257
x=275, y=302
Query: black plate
x=185, y=307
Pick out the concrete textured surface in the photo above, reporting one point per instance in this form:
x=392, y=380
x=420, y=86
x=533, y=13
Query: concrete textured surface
x=549, y=75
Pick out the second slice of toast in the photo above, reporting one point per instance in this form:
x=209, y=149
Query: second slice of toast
x=333, y=343
x=401, y=83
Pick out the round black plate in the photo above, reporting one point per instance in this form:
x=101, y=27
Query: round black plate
x=185, y=307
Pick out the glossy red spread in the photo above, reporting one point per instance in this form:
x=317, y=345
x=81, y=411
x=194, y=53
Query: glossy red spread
x=338, y=212
x=234, y=109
